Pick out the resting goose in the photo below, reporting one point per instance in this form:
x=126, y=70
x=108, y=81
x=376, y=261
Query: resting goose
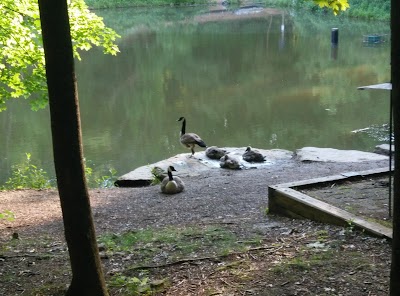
x=170, y=184
x=229, y=162
x=214, y=152
x=190, y=140
x=253, y=155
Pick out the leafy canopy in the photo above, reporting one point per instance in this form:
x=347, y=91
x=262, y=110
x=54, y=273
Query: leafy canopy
x=22, y=64
x=335, y=5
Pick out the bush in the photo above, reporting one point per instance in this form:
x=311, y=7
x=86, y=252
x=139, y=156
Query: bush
x=27, y=176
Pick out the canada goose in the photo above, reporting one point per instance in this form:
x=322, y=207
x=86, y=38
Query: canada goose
x=229, y=162
x=170, y=184
x=189, y=140
x=253, y=155
x=214, y=152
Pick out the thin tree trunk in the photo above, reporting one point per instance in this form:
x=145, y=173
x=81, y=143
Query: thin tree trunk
x=87, y=275
x=395, y=76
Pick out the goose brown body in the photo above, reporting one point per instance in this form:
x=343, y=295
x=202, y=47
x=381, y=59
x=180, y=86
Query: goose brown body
x=171, y=184
x=189, y=140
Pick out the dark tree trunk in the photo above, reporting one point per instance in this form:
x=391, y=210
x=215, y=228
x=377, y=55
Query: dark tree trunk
x=395, y=76
x=87, y=275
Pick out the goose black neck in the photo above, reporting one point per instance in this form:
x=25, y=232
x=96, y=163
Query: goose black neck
x=170, y=176
x=183, y=130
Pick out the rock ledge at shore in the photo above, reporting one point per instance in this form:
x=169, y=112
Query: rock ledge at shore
x=191, y=166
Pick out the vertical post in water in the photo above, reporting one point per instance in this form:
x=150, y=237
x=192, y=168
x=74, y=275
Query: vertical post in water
x=335, y=36
x=334, y=43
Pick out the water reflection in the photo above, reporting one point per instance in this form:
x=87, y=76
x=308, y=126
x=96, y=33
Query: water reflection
x=267, y=81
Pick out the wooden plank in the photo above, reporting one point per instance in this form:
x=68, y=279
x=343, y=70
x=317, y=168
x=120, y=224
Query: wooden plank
x=334, y=178
x=292, y=203
x=314, y=181
x=373, y=171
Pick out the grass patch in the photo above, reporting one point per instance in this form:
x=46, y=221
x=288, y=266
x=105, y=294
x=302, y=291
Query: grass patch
x=385, y=223
x=50, y=289
x=321, y=262
x=322, y=235
x=350, y=209
x=175, y=243
x=132, y=285
x=7, y=215
x=157, y=247
x=304, y=260
x=345, y=188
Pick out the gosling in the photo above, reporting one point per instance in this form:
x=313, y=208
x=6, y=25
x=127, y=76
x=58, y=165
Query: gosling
x=253, y=155
x=214, y=152
x=229, y=162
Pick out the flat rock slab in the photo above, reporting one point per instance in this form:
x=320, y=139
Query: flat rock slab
x=334, y=155
x=191, y=166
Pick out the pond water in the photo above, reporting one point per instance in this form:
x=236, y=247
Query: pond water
x=267, y=78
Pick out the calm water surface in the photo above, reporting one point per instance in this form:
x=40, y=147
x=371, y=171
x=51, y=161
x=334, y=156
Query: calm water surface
x=269, y=81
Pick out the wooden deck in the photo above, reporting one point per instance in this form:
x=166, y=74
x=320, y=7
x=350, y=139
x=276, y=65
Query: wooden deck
x=284, y=200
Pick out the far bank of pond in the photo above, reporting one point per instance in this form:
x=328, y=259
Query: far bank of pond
x=361, y=9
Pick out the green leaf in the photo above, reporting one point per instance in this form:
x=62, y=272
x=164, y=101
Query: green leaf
x=22, y=70
x=335, y=5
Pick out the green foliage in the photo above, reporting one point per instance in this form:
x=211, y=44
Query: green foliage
x=350, y=227
x=27, y=176
x=335, y=5
x=378, y=9
x=7, y=215
x=22, y=64
x=158, y=175
x=107, y=181
x=100, y=178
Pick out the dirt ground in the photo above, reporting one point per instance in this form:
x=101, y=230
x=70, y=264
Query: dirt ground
x=368, y=197
x=281, y=256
